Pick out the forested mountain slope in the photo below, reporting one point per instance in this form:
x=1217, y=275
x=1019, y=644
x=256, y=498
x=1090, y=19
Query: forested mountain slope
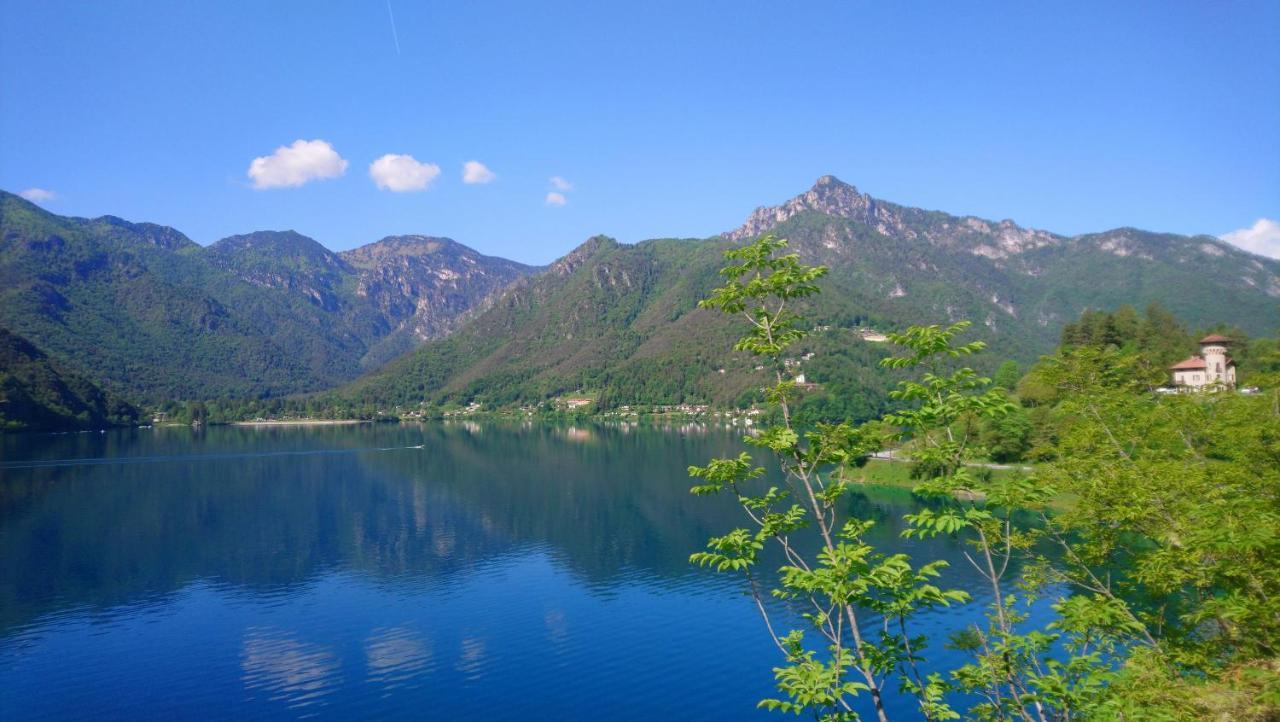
x=38, y=393
x=605, y=315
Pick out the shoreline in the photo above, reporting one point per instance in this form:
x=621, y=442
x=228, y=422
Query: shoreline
x=302, y=422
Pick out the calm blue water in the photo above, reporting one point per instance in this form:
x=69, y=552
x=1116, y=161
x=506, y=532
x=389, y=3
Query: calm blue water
x=498, y=572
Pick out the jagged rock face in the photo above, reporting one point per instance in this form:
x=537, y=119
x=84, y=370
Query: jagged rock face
x=1230, y=266
x=1006, y=238
x=414, y=285
x=829, y=196
x=422, y=285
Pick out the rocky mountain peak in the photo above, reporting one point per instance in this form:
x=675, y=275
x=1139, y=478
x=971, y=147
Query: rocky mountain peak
x=829, y=195
x=831, y=183
x=834, y=198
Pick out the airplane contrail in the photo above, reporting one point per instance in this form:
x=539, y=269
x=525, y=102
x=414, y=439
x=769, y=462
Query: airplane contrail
x=394, y=35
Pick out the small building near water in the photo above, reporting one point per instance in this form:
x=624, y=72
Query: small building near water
x=1212, y=367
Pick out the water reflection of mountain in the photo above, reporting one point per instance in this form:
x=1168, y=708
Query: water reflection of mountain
x=269, y=509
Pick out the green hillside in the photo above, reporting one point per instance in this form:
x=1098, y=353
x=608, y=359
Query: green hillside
x=37, y=393
x=147, y=314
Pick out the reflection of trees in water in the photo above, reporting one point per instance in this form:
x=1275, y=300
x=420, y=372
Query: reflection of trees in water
x=608, y=504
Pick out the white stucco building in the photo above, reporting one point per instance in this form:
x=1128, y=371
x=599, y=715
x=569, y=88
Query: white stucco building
x=1212, y=367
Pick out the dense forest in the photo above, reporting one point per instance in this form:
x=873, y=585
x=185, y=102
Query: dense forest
x=39, y=394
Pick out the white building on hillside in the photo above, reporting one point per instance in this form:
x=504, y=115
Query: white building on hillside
x=1212, y=367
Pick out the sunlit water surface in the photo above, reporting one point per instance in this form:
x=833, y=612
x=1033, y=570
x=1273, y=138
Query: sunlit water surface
x=449, y=571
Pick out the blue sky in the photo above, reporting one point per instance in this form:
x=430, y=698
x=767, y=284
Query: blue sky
x=666, y=118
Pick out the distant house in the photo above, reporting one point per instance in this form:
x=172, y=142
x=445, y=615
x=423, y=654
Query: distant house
x=1211, y=367
x=872, y=335
x=805, y=385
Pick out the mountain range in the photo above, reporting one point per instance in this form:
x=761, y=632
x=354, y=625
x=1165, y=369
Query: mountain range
x=146, y=312
x=623, y=319
x=152, y=314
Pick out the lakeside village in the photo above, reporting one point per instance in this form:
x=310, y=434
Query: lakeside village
x=1211, y=370
x=581, y=404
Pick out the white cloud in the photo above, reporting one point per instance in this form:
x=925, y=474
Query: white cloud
x=473, y=171
x=1262, y=238
x=38, y=195
x=293, y=165
x=556, y=199
x=400, y=173
x=560, y=184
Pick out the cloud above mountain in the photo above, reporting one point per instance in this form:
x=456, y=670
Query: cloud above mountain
x=475, y=172
x=38, y=195
x=402, y=173
x=555, y=197
x=1262, y=238
x=294, y=165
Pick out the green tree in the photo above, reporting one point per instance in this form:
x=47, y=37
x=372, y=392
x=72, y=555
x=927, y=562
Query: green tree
x=1009, y=438
x=1013, y=670
x=1007, y=375
x=844, y=578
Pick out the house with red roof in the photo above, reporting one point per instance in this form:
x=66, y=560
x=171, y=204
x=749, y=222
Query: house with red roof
x=1212, y=367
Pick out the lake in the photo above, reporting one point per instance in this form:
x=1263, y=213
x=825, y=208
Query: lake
x=446, y=571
